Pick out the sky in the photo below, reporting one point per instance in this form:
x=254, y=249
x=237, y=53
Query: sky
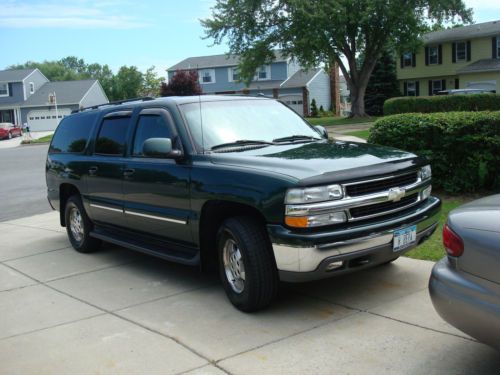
x=122, y=32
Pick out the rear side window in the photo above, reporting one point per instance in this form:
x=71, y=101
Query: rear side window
x=112, y=136
x=72, y=134
x=149, y=126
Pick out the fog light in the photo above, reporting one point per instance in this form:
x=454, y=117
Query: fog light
x=334, y=265
x=426, y=193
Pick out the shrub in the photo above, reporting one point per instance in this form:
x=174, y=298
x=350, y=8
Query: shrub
x=314, y=108
x=463, y=147
x=442, y=103
x=183, y=83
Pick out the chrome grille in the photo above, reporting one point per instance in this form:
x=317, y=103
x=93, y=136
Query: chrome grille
x=382, y=184
x=382, y=208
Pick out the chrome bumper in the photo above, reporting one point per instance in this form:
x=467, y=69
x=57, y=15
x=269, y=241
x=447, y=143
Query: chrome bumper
x=313, y=260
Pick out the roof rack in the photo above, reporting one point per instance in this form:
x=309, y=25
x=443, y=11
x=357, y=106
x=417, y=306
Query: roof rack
x=118, y=102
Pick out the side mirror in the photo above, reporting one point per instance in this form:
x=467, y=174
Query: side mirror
x=160, y=148
x=321, y=130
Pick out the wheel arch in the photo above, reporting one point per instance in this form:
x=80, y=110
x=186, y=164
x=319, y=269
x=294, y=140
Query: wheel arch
x=213, y=214
x=66, y=190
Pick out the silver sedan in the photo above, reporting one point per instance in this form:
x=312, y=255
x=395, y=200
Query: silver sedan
x=465, y=285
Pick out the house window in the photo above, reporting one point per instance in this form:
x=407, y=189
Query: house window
x=433, y=55
x=263, y=73
x=437, y=85
x=4, y=89
x=32, y=87
x=461, y=51
x=207, y=76
x=498, y=47
x=411, y=88
x=407, y=59
x=234, y=74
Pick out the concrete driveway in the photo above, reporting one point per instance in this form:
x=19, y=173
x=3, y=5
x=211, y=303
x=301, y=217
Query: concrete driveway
x=120, y=312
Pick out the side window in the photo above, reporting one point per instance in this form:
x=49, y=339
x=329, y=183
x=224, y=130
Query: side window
x=72, y=134
x=112, y=136
x=149, y=126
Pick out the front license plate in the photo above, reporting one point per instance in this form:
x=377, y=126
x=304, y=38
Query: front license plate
x=404, y=238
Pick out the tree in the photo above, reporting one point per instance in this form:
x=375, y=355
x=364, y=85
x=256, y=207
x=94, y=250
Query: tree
x=152, y=83
x=127, y=83
x=322, y=32
x=314, y=108
x=183, y=83
x=383, y=84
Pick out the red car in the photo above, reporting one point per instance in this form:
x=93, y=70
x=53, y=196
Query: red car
x=9, y=130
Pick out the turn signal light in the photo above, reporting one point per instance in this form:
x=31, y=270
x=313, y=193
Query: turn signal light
x=297, y=221
x=452, y=242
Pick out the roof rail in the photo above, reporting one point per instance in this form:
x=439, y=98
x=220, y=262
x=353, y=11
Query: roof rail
x=118, y=102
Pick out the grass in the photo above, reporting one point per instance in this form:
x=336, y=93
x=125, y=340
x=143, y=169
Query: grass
x=332, y=120
x=432, y=249
x=45, y=139
x=359, y=133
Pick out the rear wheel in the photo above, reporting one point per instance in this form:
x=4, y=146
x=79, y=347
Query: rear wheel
x=246, y=264
x=78, y=226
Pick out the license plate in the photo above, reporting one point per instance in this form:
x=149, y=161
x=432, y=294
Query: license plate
x=404, y=238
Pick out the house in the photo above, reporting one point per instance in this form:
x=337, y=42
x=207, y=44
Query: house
x=27, y=96
x=457, y=58
x=283, y=79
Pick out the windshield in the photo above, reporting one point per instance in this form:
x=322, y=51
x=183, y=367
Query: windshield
x=228, y=121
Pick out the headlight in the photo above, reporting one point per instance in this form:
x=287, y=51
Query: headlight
x=425, y=172
x=313, y=194
x=316, y=220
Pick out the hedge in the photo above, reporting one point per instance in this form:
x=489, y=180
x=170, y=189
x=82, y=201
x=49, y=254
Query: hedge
x=463, y=147
x=442, y=103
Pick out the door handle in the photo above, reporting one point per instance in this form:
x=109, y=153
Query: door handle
x=93, y=170
x=128, y=172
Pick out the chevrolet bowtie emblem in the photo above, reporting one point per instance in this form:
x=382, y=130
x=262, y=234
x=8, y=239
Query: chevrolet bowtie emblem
x=395, y=194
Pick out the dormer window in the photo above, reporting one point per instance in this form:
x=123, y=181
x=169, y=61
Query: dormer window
x=4, y=89
x=32, y=87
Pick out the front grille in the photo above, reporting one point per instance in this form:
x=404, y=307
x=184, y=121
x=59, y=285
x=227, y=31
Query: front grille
x=370, y=187
x=378, y=208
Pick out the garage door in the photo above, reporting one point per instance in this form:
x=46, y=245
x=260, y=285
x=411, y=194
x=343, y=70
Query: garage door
x=45, y=120
x=294, y=102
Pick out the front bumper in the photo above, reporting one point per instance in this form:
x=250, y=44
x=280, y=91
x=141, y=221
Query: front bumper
x=305, y=257
x=467, y=302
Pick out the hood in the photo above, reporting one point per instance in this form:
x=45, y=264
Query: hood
x=311, y=163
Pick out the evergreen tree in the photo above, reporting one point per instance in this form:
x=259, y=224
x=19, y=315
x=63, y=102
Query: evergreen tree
x=314, y=108
x=383, y=84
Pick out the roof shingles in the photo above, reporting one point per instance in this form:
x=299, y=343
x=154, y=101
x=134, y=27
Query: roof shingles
x=14, y=75
x=67, y=92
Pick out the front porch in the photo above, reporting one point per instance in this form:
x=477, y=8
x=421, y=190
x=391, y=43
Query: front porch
x=11, y=115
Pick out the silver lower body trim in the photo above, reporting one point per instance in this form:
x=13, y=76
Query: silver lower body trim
x=106, y=208
x=154, y=217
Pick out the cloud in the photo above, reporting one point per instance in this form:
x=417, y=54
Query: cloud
x=76, y=14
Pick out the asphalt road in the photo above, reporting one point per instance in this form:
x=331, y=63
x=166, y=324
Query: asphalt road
x=22, y=182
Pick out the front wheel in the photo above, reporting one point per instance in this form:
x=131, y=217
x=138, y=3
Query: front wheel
x=246, y=264
x=78, y=226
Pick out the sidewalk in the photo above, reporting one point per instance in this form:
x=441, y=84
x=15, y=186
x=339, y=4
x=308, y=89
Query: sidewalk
x=14, y=142
x=338, y=132
x=116, y=311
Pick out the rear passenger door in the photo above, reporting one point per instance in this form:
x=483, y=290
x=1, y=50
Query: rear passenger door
x=105, y=170
x=156, y=190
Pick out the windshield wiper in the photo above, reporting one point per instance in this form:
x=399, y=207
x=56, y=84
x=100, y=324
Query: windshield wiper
x=241, y=142
x=293, y=138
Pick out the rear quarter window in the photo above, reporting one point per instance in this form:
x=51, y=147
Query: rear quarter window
x=72, y=134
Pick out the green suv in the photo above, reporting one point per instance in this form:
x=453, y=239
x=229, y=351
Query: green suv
x=239, y=181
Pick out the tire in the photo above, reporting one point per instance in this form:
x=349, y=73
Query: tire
x=78, y=226
x=244, y=250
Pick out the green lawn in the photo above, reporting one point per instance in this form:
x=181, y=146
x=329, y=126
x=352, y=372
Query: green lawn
x=360, y=133
x=45, y=139
x=332, y=121
x=432, y=249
